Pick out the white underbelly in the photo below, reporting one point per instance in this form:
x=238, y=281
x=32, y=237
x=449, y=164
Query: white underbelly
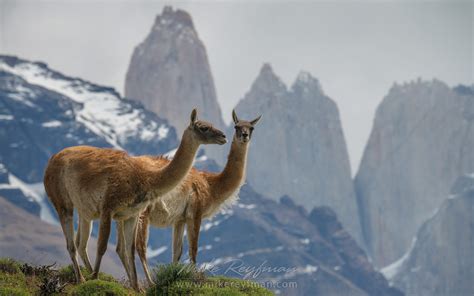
x=170, y=208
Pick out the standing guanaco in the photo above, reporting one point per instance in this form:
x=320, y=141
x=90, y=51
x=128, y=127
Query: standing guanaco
x=200, y=196
x=108, y=184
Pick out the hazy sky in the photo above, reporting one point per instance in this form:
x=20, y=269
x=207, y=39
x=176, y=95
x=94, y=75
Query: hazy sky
x=356, y=49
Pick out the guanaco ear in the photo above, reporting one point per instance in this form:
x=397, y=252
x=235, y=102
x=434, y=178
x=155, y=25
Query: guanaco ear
x=193, y=116
x=253, y=122
x=234, y=117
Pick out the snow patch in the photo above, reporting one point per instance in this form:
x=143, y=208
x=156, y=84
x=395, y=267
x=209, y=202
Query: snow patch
x=150, y=253
x=305, y=241
x=34, y=191
x=170, y=154
x=21, y=99
x=245, y=206
x=6, y=117
x=163, y=132
x=205, y=247
x=209, y=225
x=202, y=158
x=390, y=271
x=3, y=169
x=53, y=123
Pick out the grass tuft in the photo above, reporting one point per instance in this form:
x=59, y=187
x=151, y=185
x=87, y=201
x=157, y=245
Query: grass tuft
x=182, y=279
x=99, y=288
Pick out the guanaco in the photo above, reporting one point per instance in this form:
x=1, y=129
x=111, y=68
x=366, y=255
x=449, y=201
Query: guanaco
x=108, y=184
x=200, y=196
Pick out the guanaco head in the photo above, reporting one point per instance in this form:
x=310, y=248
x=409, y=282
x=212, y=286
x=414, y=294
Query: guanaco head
x=243, y=128
x=203, y=132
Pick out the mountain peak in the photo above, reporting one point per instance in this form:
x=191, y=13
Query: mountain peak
x=306, y=81
x=268, y=81
x=305, y=77
x=172, y=64
x=266, y=69
x=171, y=17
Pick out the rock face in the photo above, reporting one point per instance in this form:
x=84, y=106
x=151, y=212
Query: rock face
x=169, y=72
x=441, y=261
x=422, y=140
x=298, y=147
x=279, y=241
x=43, y=111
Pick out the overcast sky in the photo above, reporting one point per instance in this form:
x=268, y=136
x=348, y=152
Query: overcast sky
x=356, y=49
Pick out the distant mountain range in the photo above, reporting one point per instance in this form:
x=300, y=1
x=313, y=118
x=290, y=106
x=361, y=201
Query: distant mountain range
x=421, y=142
x=42, y=111
x=298, y=148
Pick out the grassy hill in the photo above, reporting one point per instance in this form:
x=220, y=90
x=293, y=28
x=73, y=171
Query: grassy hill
x=18, y=279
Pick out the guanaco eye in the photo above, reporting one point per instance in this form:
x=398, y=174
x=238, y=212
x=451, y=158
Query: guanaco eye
x=251, y=128
x=204, y=128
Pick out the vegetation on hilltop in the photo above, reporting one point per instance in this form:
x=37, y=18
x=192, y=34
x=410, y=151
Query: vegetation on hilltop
x=18, y=279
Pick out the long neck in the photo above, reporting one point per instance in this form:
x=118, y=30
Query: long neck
x=233, y=175
x=170, y=176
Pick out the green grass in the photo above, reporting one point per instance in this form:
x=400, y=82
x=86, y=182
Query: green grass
x=20, y=279
x=13, y=284
x=181, y=279
x=24, y=279
x=100, y=288
x=66, y=274
x=8, y=291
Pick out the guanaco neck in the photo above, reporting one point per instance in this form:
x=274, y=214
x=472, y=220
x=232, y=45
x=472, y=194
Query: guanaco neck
x=167, y=178
x=233, y=175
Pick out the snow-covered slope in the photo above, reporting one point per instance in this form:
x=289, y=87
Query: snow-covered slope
x=43, y=111
x=103, y=111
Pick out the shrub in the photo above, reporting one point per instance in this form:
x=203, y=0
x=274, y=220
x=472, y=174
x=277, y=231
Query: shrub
x=99, y=288
x=166, y=275
x=8, y=265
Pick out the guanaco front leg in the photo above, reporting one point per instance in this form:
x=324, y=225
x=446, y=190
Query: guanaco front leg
x=66, y=220
x=193, y=226
x=120, y=249
x=129, y=235
x=104, y=233
x=82, y=238
x=178, y=230
x=141, y=245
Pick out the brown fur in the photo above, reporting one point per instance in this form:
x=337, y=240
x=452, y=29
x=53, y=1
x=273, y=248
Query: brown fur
x=108, y=184
x=201, y=195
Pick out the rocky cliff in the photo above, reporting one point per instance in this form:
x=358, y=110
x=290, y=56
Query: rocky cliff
x=269, y=241
x=422, y=140
x=441, y=260
x=298, y=147
x=169, y=72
